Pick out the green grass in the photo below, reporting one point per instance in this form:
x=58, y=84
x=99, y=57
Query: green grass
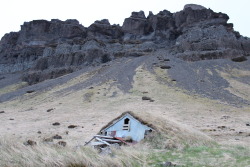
x=204, y=156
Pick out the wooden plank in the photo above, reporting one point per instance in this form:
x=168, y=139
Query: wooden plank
x=121, y=139
x=107, y=137
x=114, y=141
x=97, y=138
x=97, y=143
x=89, y=141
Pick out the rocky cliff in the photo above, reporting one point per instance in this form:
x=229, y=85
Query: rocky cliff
x=48, y=49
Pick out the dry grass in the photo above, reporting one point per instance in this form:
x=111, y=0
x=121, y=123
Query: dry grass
x=237, y=88
x=12, y=87
x=13, y=153
x=171, y=133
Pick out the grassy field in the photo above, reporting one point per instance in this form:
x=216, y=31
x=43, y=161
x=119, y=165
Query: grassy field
x=216, y=155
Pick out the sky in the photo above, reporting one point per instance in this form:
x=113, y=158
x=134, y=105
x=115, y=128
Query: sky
x=14, y=13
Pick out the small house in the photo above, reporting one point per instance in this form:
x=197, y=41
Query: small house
x=126, y=126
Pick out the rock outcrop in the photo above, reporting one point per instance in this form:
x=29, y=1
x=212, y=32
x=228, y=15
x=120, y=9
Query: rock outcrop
x=48, y=49
x=137, y=24
x=103, y=30
x=20, y=50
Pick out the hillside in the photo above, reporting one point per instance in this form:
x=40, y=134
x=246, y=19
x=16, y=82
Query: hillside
x=191, y=63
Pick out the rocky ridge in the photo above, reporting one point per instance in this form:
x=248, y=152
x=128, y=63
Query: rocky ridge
x=49, y=49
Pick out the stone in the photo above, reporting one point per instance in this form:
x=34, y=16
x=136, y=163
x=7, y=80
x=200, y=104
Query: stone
x=30, y=91
x=1, y=112
x=165, y=67
x=56, y=124
x=51, y=109
x=146, y=98
x=221, y=127
x=72, y=126
x=168, y=163
x=30, y=143
x=48, y=140
x=62, y=143
x=57, y=137
x=239, y=59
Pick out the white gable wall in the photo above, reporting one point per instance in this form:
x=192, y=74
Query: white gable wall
x=136, y=130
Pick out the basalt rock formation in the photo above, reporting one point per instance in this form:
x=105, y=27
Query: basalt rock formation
x=49, y=49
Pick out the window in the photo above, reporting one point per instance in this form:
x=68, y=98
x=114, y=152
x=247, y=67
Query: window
x=126, y=124
x=126, y=121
